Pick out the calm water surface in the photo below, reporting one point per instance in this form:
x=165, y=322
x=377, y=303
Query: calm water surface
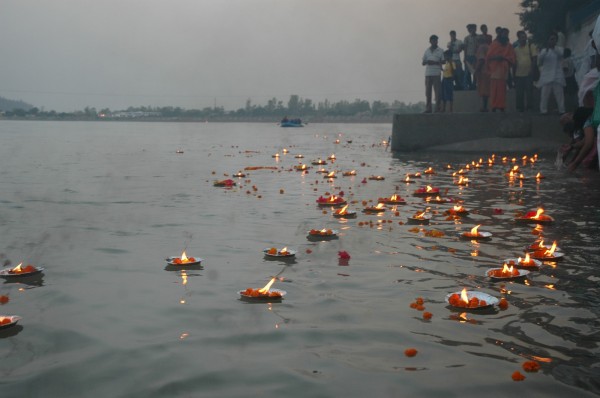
x=100, y=206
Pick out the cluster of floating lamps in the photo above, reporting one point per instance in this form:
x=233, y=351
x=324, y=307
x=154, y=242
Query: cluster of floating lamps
x=465, y=300
x=16, y=274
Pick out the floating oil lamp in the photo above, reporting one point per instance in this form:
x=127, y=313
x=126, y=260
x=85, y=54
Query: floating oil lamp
x=540, y=246
x=330, y=175
x=438, y=199
x=539, y=176
x=429, y=171
x=474, y=233
x=239, y=174
x=449, y=167
x=20, y=270
x=274, y=252
x=300, y=167
x=7, y=321
x=427, y=191
x=319, y=162
x=414, y=175
x=332, y=200
x=337, y=141
x=459, y=172
x=375, y=209
x=265, y=293
x=299, y=156
x=526, y=262
x=462, y=181
x=183, y=260
x=407, y=180
x=515, y=170
x=548, y=254
x=284, y=150
x=393, y=200
x=275, y=156
x=506, y=272
x=457, y=210
x=322, y=233
x=471, y=300
x=344, y=213
x=521, y=177
x=349, y=173
x=322, y=171
x=224, y=183
x=377, y=178
x=537, y=217
x=420, y=218
x=331, y=157
x=179, y=151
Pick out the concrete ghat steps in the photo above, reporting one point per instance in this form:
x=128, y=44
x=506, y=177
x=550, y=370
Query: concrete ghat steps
x=477, y=132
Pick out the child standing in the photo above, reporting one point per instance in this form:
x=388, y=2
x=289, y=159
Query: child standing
x=448, y=82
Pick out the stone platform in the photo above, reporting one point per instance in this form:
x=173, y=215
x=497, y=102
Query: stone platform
x=477, y=132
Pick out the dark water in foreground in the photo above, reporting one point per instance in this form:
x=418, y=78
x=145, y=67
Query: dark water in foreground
x=100, y=205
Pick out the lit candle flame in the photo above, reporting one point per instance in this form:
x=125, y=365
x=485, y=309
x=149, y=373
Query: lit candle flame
x=507, y=269
x=343, y=210
x=463, y=295
x=267, y=286
x=184, y=258
x=458, y=208
x=474, y=230
x=538, y=214
x=394, y=197
x=429, y=189
x=526, y=260
x=17, y=268
x=380, y=206
x=541, y=244
x=550, y=252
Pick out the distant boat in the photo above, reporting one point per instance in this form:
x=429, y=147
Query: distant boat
x=285, y=122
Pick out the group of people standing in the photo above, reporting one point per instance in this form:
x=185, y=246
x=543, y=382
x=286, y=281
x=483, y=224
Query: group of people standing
x=491, y=66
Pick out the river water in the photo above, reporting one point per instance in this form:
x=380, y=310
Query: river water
x=101, y=205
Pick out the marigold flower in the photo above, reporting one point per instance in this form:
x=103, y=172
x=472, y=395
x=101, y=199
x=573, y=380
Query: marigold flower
x=518, y=376
x=410, y=352
x=4, y=299
x=427, y=315
x=503, y=304
x=344, y=255
x=531, y=366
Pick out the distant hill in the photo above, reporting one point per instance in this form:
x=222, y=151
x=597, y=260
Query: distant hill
x=9, y=105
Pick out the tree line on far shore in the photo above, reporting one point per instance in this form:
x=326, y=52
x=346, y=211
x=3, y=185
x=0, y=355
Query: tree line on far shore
x=274, y=109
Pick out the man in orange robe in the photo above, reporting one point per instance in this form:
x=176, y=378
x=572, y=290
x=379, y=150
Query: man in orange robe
x=499, y=59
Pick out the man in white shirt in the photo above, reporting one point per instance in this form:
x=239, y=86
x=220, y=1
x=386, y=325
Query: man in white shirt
x=552, y=78
x=433, y=59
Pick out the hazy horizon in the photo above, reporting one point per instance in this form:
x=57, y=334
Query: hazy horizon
x=65, y=55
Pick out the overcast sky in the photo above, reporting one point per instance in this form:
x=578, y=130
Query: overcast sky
x=65, y=55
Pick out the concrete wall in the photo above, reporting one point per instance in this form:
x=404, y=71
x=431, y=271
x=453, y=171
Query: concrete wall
x=487, y=132
x=468, y=130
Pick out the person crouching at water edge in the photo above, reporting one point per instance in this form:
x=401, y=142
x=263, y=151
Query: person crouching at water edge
x=433, y=59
